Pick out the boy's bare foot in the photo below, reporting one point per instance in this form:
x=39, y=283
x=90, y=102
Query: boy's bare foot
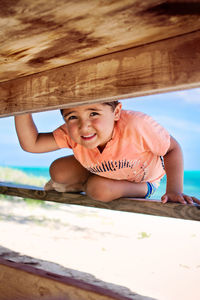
x=49, y=186
x=62, y=187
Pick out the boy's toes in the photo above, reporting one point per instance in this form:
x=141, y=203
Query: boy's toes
x=60, y=187
x=49, y=186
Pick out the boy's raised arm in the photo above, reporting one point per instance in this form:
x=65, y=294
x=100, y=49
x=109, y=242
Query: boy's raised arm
x=173, y=160
x=29, y=137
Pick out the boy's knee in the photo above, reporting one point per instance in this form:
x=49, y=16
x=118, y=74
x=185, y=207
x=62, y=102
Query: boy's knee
x=98, y=189
x=56, y=171
x=68, y=170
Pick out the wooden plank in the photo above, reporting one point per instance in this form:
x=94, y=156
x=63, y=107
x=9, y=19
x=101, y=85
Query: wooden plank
x=40, y=35
x=23, y=278
x=151, y=207
x=159, y=67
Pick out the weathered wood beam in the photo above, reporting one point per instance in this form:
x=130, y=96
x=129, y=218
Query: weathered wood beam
x=38, y=37
x=163, y=66
x=29, y=278
x=151, y=207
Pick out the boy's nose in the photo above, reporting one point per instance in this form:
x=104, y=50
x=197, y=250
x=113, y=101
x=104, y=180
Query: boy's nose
x=84, y=124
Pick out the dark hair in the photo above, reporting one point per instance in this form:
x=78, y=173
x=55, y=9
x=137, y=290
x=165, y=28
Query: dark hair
x=113, y=104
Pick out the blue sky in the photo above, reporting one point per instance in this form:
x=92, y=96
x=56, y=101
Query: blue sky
x=178, y=112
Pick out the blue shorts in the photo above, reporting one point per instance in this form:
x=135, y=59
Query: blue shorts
x=152, y=187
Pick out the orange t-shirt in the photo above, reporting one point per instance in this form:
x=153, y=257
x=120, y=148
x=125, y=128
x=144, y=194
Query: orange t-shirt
x=133, y=154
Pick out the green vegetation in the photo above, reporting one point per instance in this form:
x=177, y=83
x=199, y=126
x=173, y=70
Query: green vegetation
x=143, y=235
x=17, y=176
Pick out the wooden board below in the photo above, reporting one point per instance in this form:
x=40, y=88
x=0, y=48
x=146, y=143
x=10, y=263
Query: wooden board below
x=27, y=278
x=151, y=207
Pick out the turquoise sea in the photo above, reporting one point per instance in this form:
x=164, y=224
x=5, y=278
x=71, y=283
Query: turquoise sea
x=34, y=171
x=191, y=180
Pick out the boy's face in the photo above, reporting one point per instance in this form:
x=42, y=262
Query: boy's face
x=91, y=125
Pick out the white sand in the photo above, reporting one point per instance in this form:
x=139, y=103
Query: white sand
x=153, y=256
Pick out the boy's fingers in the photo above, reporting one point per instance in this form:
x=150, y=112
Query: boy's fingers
x=164, y=199
x=195, y=200
x=191, y=200
x=188, y=199
x=181, y=200
x=176, y=198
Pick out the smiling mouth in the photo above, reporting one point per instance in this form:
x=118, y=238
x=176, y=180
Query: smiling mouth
x=88, y=137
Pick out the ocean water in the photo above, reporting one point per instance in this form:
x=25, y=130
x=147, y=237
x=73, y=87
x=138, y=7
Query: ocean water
x=34, y=171
x=191, y=185
x=191, y=180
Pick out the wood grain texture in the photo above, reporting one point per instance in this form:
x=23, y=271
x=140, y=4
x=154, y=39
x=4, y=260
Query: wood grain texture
x=26, y=278
x=40, y=35
x=151, y=207
x=158, y=67
x=42, y=279
x=22, y=281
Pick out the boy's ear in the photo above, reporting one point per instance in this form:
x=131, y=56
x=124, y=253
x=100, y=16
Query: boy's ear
x=117, y=111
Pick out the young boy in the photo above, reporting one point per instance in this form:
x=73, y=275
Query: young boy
x=117, y=153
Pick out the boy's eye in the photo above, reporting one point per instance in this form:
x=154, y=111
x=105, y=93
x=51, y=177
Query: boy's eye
x=94, y=113
x=71, y=118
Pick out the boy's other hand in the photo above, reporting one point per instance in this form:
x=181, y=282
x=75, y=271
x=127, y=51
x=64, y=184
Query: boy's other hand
x=179, y=197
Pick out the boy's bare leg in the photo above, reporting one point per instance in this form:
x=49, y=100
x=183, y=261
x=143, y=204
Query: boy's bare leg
x=67, y=175
x=104, y=189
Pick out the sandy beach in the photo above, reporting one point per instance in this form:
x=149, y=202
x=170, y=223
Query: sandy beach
x=153, y=256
